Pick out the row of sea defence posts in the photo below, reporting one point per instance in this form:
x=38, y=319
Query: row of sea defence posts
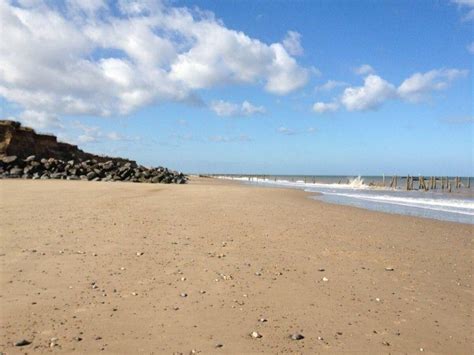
x=422, y=183
x=444, y=183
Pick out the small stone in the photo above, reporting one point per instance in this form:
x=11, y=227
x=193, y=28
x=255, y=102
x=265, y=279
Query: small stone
x=388, y=268
x=134, y=293
x=202, y=292
x=256, y=335
x=183, y=279
x=22, y=342
x=263, y=320
x=258, y=273
x=386, y=343
x=139, y=253
x=321, y=269
x=77, y=338
x=219, y=345
x=297, y=336
x=183, y=294
x=325, y=279
x=377, y=299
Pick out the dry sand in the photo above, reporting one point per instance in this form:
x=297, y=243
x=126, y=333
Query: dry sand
x=240, y=253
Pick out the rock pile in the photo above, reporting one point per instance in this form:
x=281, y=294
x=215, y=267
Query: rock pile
x=91, y=170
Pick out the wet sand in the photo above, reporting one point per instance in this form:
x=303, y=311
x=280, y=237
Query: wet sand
x=103, y=268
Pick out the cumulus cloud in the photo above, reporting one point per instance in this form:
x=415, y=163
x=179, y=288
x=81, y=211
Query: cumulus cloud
x=364, y=69
x=228, y=109
x=376, y=91
x=371, y=95
x=292, y=43
x=419, y=85
x=87, y=58
x=330, y=85
x=323, y=107
x=469, y=5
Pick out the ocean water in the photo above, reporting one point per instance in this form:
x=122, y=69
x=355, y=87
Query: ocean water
x=369, y=193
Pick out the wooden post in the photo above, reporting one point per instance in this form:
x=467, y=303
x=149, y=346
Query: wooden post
x=468, y=182
x=449, y=186
x=408, y=182
x=383, y=180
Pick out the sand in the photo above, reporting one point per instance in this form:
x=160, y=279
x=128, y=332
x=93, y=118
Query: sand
x=240, y=253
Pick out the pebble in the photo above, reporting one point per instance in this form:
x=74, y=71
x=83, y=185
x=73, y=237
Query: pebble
x=258, y=273
x=140, y=253
x=325, y=279
x=219, y=345
x=297, y=336
x=183, y=294
x=22, y=342
x=77, y=338
x=256, y=335
x=389, y=268
x=263, y=320
x=321, y=270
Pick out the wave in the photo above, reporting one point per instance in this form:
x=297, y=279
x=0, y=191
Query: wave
x=355, y=183
x=465, y=207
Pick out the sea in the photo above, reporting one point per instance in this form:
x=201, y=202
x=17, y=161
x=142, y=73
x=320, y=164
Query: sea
x=374, y=193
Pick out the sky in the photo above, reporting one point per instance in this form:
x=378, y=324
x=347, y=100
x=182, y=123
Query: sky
x=239, y=86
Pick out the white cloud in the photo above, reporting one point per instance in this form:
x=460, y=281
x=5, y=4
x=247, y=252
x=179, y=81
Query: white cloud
x=470, y=47
x=228, y=109
x=323, y=107
x=226, y=139
x=286, y=131
x=371, y=95
x=469, y=4
x=376, y=91
x=418, y=86
x=85, y=58
x=364, y=70
x=331, y=85
x=39, y=120
x=292, y=43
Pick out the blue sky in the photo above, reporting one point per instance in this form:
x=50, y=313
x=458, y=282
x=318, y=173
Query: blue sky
x=300, y=87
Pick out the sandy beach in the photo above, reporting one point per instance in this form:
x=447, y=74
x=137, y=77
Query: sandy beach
x=127, y=268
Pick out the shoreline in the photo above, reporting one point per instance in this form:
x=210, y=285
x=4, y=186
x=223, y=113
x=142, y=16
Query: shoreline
x=264, y=247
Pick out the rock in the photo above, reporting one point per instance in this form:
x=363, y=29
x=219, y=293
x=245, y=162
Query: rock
x=297, y=336
x=91, y=175
x=183, y=294
x=389, y=268
x=325, y=279
x=255, y=335
x=219, y=345
x=263, y=320
x=22, y=342
x=9, y=159
x=46, y=158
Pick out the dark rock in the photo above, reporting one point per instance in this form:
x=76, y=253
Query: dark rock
x=297, y=336
x=22, y=342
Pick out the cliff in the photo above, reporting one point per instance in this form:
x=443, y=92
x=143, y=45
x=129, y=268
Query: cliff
x=22, y=142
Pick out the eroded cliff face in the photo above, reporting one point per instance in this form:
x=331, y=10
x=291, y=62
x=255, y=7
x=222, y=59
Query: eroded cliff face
x=22, y=142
